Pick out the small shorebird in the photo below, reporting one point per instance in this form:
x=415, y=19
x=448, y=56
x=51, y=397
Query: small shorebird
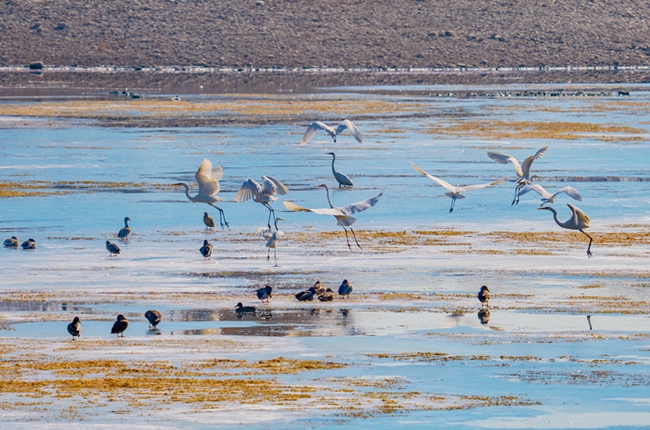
x=208, y=221
x=326, y=296
x=112, y=248
x=484, y=296
x=154, y=318
x=29, y=244
x=120, y=325
x=548, y=198
x=523, y=172
x=264, y=293
x=206, y=250
x=263, y=194
x=74, y=328
x=341, y=178
x=346, y=124
x=307, y=295
x=241, y=309
x=126, y=231
x=12, y=242
x=345, y=288
x=578, y=221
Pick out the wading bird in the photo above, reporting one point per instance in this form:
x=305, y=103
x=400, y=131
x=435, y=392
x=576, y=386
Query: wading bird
x=272, y=238
x=341, y=178
x=120, y=325
x=154, y=317
x=326, y=296
x=455, y=192
x=342, y=213
x=578, y=221
x=126, y=231
x=206, y=250
x=263, y=194
x=346, y=124
x=345, y=288
x=207, y=220
x=74, y=328
x=307, y=295
x=264, y=293
x=548, y=198
x=484, y=296
x=523, y=172
x=208, y=180
x=29, y=244
x=112, y=248
x=12, y=242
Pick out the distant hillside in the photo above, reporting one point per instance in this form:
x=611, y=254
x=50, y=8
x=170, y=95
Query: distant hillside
x=336, y=33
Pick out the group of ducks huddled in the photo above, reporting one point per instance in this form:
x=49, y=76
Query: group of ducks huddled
x=317, y=291
x=12, y=242
x=119, y=327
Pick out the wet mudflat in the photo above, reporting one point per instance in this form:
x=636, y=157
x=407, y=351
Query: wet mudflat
x=411, y=346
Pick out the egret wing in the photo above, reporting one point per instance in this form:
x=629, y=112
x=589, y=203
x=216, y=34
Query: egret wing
x=525, y=166
x=208, y=185
x=477, y=187
x=571, y=192
x=271, y=186
x=445, y=184
x=538, y=189
x=360, y=206
x=354, y=131
x=247, y=190
x=326, y=211
x=580, y=218
x=313, y=128
x=502, y=158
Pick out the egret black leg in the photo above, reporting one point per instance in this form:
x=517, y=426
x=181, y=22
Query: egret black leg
x=589, y=254
x=355, y=238
x=346, y=238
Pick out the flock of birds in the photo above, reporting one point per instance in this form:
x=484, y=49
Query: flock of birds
x=264, y=193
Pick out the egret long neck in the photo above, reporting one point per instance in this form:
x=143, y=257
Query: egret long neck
x=333, y=160
x=557, y=221
x=187, y=191
x=327, y=190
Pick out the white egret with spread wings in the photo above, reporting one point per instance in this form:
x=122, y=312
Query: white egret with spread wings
x=523, y=172
x=208, y=180
x=455, y=191
x=346, y=124
x=263, y=194
x=578, y=221
x=341, y=213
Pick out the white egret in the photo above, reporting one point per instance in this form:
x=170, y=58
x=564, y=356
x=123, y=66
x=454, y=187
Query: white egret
x=548, y=197
x=578, y=221
x=484, y=296
x=341, y=178
x=208, y=180
x=272, y=238
x=126, y=231
x=523, y=172
x=455, y=192
x=341, y=213
x=346, y=124
x=263, y=194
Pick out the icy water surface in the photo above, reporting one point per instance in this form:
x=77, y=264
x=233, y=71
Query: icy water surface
x=411, y=348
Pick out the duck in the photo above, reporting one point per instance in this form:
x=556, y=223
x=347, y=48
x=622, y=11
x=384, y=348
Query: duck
x=126, y=231
x=484, y=295
x=307, y=295
x=241, y=309
x=112, y=248
x=120, y=325
x=12, y=242
x=264, y=293
x=154, y=318
x=345, y=288
x=29, y=244
x=207, y=220
x=206, y=250
x=326, y=296
x=74, y=328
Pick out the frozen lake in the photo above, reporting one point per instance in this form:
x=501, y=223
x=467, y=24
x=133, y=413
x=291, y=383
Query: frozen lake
x=408, y=349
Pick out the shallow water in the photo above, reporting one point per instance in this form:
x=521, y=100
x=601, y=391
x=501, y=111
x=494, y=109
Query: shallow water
x=539, y=304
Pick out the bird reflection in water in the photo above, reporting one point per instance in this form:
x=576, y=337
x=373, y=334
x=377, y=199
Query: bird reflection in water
x=484, y=316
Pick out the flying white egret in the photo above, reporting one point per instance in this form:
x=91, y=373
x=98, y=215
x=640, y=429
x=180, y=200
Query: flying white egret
x=455, y=192
x=208, y=180
x=263, y=194
x=548, y=197
x=346, y=124
x=523, y=172
x=272, y=238
x=341, y=213
x=341, y=178
x=126, y=231
x=578, y=221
